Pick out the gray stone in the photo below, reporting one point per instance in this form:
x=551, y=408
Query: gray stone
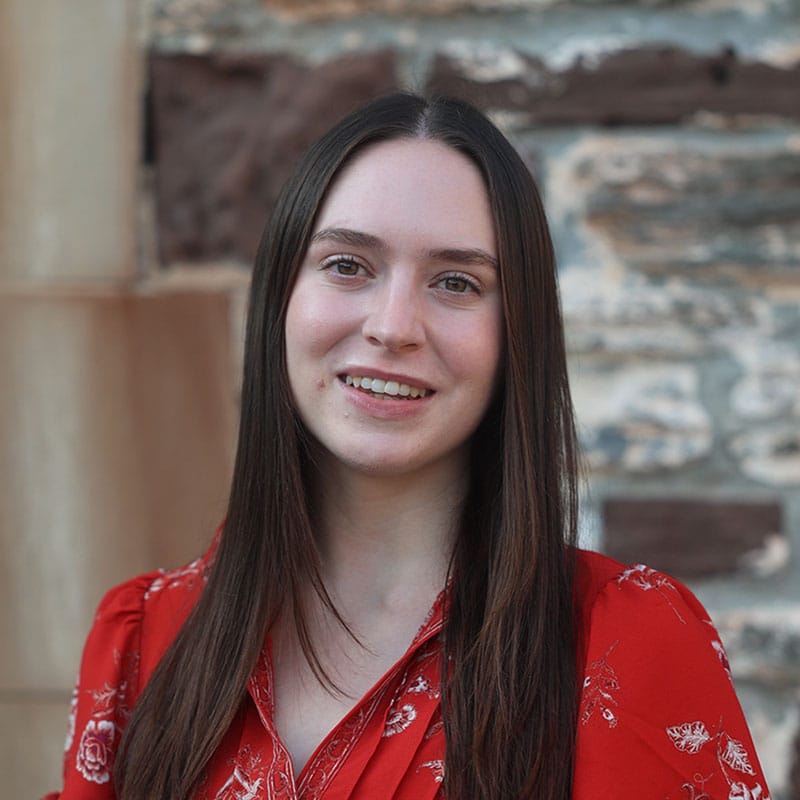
x=718, y=210
x=189, y=13
x=763, y=643
x=642, y=418
x=794, y=777
x=770, y=453
x=642, y=277
x=773, y=716
x=612, y=309
x=770, y=383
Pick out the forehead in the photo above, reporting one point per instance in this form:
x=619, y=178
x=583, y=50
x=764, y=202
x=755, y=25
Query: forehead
x=413, y=187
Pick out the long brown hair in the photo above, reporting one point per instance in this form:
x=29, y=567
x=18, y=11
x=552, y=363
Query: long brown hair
x=509, y=691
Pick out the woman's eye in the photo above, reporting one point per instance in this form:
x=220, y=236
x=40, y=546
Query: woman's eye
x=346, y=267
x=458, y=284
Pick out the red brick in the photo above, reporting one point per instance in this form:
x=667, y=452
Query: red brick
x=689, y=538
x=647, y=85
x=227, y=130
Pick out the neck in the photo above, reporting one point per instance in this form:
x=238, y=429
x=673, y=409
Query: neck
x=388, y=537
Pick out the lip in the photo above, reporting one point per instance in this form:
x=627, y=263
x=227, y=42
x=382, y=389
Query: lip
x=384, y=408
x=368, y=372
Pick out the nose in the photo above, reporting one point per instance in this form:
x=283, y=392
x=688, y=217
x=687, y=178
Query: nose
x=395, y=318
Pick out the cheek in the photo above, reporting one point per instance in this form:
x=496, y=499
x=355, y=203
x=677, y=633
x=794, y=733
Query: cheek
x=305, y=324
x=314, y=328
x=299, y=311
x=479, y=351
x=299, y=343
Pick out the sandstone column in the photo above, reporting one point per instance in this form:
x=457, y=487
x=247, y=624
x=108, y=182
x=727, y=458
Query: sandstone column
x=116, y=399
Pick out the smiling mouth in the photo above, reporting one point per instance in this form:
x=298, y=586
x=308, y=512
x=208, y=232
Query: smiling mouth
x=388, y=390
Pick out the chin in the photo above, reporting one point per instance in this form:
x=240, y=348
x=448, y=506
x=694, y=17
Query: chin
x=402, y=464
x=378, y=467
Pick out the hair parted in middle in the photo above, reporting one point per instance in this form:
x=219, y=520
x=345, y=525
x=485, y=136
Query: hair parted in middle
x=509, y=693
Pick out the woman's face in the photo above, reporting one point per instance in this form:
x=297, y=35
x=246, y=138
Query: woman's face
x=393, y=330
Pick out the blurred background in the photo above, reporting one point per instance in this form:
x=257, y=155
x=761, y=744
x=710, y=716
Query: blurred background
x=142, y=146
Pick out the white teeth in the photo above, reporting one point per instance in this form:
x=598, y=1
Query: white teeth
x=380, y=386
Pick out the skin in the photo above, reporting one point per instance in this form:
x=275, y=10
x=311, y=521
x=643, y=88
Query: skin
x=400, y=283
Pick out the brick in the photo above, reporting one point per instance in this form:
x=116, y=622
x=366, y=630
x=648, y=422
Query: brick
x=643, y=85
x=692, y=538
x=227, y=130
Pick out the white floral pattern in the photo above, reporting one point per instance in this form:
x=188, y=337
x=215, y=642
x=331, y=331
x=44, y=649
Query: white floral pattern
x=434, y=730
x=648, y=579
x=110, y=712
x=96, y=751
x=413, y=686
x=689, y=737
x=436, y=766
x=719, y=649
x=422, y=685
x=733, y=754
x=181, y=578
x=246, y=779
x=741, y=791
x=651, y=654
x=600, y=686
x=399, y=719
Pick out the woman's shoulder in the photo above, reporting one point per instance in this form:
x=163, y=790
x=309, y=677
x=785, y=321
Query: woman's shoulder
x=136, y=620
x=594, y=573
x=133, y=626
x=657, y=704
x=151, y=593
x=152, y=607
x=603, y=584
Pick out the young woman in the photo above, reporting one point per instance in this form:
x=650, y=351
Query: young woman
x=395, y=607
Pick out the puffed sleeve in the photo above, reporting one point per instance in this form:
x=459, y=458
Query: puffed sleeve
x=658, y=716
x=108, y=685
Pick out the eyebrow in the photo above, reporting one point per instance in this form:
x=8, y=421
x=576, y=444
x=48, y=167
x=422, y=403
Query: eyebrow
x=466, y=256
x=347, y=236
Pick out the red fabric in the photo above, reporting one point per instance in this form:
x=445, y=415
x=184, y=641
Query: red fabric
x=658, y=716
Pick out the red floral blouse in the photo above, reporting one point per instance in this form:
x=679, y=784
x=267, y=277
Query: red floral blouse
x=658, y=715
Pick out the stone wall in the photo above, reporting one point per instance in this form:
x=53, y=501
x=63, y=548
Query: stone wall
x=666, y=138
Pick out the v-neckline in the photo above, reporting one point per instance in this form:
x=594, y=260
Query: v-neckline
x=261, y=688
